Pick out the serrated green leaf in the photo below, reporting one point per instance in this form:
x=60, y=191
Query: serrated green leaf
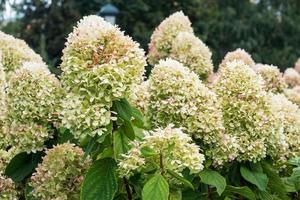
x=157, y=188
x=138, y=118
x=243, y=191
x=181, y=179
x=213, y=178
x=22, y=165
x=121, y=144
x=128, y=130
x=123, y=109
x=255, y=177
x=100, y=181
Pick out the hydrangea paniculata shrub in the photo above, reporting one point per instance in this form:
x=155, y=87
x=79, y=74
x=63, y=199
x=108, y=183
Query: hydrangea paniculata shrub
x=7, y=189
x=291, y=77
x=238, y=54
x=100, y=64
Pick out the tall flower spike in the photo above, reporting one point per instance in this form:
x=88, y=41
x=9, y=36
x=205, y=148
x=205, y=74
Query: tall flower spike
x=193, y=53
x=7, y=189
x=238, y=54
x=15, y=52
x=100, y=64
x=172, y=147
x=291, y=77
x=272, y=76
x=176, y=95
x=60, y=174
x=162, y=38
x=246, y=111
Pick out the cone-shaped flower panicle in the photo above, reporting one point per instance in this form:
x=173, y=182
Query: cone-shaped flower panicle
x=238, y=54
x=14, y=52
x=60, y=175
x=170, y=147
x=100, y=64
x=291, y=77
x=193, y=53
x=246, y=111
x=176, y=95
x=272, y=76
x=162, y=38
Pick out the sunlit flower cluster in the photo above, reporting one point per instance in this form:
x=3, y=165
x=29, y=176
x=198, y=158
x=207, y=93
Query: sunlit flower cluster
x=291, y=77
x=238, y=54
x=272, y=76
x=8, y=189
x=100, y=64
x=33, y=104
x=60, y=174
x=246, y=112
x=293, y=95
x=162, y=38
x=15, y=52
x=193, y=53
x=170, y=149
x=176, y=95
x=5, y=157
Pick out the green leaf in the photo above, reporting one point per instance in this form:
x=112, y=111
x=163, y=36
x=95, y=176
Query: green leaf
x=148, y=152
x=157, y=188
x=123, y=109
x=243, y=191
x=289, y=184
x=89, y=147
x=121, y=144
x=295, y=161
x=255, y=177
x=265, y=195
x=22, y=165
x=275, y=183
x=127, y=129
x=180, y=178
x=138, y=118
x=175, y=195
x=213, y=178
x=100, y=181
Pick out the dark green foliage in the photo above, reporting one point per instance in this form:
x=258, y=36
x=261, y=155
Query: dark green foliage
x=268, y=30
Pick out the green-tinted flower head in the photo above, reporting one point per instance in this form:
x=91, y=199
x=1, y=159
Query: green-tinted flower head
x=170, y=145
x=272, y=76
x=60, y=174
x=7, y=189
x=100, y=64
x=193, y=53
x=162, y=38
x=293, y=95
x=14, y=52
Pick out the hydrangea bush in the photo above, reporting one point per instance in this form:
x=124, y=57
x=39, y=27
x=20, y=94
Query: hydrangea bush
x=102, y=130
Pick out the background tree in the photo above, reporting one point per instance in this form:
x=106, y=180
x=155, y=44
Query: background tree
x=268, y=29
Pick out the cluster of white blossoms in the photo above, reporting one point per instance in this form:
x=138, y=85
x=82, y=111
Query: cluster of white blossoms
x=162, y=38
x=8, y=189
x=174, y=38
x=15, y=52
x=100, y=64
x=238, y=54
x=289, y=114
x=60, y=174
x=193, y=53
x=291, y=77
x=176, y=95
x=33, y=106
x=293, y=94
x=247, y=114
x=170, y=148
x=140, y=96
x=272, y=77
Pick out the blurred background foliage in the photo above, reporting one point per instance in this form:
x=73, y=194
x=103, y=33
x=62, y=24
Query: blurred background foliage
x=268, y=29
